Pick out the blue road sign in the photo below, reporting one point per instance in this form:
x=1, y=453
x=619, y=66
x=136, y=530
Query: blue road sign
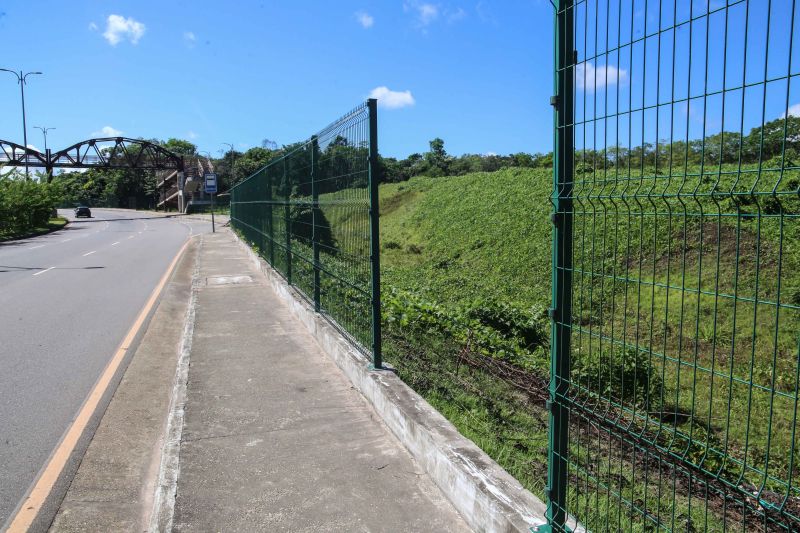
x=211, y=183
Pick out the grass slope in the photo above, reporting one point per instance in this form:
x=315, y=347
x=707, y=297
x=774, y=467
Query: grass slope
x=450, y=245
x=480, y=235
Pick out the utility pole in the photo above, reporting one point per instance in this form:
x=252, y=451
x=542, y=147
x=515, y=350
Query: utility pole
x=21, y=79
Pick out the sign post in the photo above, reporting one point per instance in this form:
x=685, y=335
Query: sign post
x=211, y=188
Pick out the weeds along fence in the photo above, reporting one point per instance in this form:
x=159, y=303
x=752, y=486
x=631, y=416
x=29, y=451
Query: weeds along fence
x=310, y=214
x=676, y=266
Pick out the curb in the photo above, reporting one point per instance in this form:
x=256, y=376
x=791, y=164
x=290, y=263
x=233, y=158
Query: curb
x=487, y=497
x=35, y=234
x=163, y=512
x=56, y=476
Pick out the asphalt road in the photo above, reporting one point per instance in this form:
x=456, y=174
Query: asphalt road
x=67, y=299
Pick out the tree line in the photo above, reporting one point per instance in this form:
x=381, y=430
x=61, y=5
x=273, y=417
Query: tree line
x=776, y=144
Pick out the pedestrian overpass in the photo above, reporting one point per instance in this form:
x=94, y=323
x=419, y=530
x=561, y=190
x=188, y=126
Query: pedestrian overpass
x=178, y=183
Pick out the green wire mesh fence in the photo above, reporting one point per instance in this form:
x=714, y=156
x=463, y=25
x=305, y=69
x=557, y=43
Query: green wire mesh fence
x=310, y=214
x=676, y=266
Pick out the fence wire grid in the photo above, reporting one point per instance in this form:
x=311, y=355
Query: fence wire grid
x=309, y=214
x=676, y=266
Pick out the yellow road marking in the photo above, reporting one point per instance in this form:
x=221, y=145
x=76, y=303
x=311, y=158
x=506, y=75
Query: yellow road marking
x=44, y=484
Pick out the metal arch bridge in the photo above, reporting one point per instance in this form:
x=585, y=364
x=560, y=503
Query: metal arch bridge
x=113, y=153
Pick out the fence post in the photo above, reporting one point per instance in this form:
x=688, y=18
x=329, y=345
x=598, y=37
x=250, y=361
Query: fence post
x=561, y=312
x=287, y=213
x=231, y=209
x=375, y=248
x=314, y=221
x=270, y=219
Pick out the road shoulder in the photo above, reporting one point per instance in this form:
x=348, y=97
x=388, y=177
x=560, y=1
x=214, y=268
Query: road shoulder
x=114, y=486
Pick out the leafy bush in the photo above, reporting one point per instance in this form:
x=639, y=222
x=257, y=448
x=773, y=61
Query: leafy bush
x=25, y=205
x=624, y=375
x=502, y=332
x=529, y=326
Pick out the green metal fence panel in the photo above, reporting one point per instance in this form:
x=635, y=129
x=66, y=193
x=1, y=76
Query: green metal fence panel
x=676, y=266
x=313, y=215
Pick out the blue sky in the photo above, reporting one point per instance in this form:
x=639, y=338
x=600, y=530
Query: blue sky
x=683, y=69
x=477, y=73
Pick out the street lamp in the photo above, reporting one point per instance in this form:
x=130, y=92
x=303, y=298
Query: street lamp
x=44, y=132
x=231, y=162
x=21, y=78
x=49, y=170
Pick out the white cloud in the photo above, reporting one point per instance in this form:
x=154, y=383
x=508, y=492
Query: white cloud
x=93, y=26
x=192, y=135
x=365, y=19
x=794, y=111
x=426, y=13
x=189, y=38
x=392, y=99
x=589, y=78
x=119, y=28
x=107, y=131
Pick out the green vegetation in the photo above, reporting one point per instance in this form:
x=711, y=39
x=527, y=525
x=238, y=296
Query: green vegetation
x=484, y=236
x=466, y=276
x=53, y=224
x=437, y=162
x=108, y=188
x=26, y=207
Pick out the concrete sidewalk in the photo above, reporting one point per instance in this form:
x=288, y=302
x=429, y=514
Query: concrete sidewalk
x=275, y=438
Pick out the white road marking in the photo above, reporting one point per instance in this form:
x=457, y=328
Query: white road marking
x=132, y=236
x=89, y=253
x=114, y=243
x=66, y=240
x=43, y=271
x=35, y=247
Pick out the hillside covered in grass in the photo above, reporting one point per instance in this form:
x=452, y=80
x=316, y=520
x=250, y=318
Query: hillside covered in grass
x=686, y=312
x=481, y=236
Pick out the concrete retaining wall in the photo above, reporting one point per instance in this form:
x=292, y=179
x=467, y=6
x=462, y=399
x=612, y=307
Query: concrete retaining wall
x=485, y=495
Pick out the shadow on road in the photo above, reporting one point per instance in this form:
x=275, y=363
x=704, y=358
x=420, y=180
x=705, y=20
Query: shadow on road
x=37, y=238
x=94, y=220
x=7, y=268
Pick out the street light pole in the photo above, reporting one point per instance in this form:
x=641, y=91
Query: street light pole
x=44, y=132
x=21, y=78
x=49, y=170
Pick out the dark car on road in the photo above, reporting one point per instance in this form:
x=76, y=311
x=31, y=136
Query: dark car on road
x=83, y=211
